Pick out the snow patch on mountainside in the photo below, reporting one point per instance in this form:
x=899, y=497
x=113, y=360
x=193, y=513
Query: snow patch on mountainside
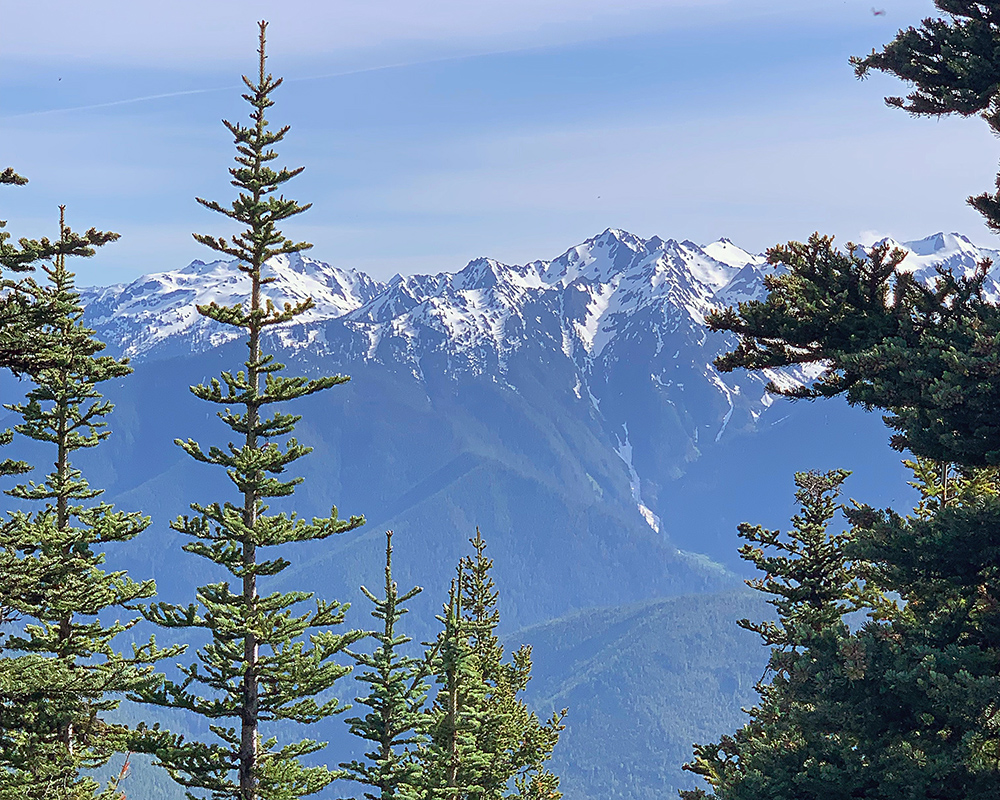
x=624, y=451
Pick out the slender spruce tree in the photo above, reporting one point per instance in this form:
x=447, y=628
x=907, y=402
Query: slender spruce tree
x=267, y=659
x=451, y=763
x=484, y=740
x=394, y=724
x=61, y=674
x=796, y=744
x=25, y=317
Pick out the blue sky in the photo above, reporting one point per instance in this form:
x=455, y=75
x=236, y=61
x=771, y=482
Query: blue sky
x=436, y=131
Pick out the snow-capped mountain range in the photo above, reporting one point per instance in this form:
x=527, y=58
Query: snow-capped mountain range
x=609, y=278
x=618, y=317
x=483, y=303
x=616, y=324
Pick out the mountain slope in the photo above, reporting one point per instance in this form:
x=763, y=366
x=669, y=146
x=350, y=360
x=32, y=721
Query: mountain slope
x=566, y=407
x=606, y=338
x=642, y=683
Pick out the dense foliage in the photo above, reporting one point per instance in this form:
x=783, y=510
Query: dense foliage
x=62, y=674
x=903, y=706
x=925, y=354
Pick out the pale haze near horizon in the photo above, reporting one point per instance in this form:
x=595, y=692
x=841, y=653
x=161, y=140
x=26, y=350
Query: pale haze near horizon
x=437, y=132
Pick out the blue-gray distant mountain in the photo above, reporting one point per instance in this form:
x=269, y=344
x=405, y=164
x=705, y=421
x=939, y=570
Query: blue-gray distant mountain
x=567, y=407
x=607, y=338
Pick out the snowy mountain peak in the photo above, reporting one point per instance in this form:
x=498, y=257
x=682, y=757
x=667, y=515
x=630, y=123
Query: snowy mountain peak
x=940, y=243
x=598, y=259
x=724, y=251
x=585, y=299
x=591, y=293
x=710, y=271
x=161, y=308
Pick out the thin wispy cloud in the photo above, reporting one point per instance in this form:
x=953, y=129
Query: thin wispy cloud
x=288, y=80
x=113, y=103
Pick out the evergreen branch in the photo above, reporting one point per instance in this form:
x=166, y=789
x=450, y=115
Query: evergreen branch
x=8, y=176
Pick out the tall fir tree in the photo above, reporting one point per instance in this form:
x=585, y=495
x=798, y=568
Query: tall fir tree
x=266, y=661
x=913, y=710
x=916, y=710
x=394, y=723
x=25, y=317
x=484, y=741
x=66, y=675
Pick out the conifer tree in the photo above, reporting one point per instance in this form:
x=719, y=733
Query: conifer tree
x=395, y=722
x=66, y=675
x=914, y=713
x=903, y=706
x=484, y=741
x=267, y=660
x=26, y=343
x=23, y=316
x=953, y=64
x=916, y=688
x=925, y=354
x=451, y=763
x=795, y=744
